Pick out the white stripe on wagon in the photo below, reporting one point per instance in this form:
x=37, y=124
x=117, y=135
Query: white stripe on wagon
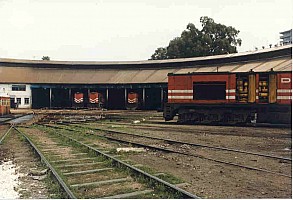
x=180, y=97
x=284, y=91
x=230, y=97
x=284, y=97
x=231, y=91
x=180, y=91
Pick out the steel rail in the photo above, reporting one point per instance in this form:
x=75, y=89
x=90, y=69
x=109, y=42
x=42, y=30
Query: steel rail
x=198, y=156
x=3, y=137
x=182, y=153
x=188, y=143
x=54, y=172
x=118, y=163
x=13, y=118
x=257, y=135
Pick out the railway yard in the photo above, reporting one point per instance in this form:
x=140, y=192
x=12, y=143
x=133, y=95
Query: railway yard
x=135, y=154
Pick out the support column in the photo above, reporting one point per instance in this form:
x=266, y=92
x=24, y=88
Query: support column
x=125, y=97
x=88, y=97
x=162, y=94
x=50, y=96
x=107, y=97
x=162, y=98
x=69, y=97
x=143, y=97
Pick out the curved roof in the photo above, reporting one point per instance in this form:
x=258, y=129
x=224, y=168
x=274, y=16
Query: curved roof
x=152, y=71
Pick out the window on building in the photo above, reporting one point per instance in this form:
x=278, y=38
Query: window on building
x=26, y=101
x=18, y=101
x=18, y=87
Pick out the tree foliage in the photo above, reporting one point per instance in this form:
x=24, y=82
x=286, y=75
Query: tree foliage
x=45, y=58
x=212, y=39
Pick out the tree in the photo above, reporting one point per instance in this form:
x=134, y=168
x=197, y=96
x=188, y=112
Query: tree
x=160, y=53
x=212, y=39
x=45, y=58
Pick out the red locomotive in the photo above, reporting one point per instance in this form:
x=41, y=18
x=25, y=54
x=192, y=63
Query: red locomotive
x=78, y=100
x=230, y=98
x=96, y=100
x=4, y=105
x=132, y=101
x=92, y=100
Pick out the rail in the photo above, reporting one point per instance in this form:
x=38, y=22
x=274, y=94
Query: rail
x=54, y=172
x=188, y=143
x=182, y=153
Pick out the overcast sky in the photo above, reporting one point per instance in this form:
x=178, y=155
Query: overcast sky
x=127, y=30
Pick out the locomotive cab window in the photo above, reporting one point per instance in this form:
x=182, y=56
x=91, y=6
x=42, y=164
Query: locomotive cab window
x=209, y=90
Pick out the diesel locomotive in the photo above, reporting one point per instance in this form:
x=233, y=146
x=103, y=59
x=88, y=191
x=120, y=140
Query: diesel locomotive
x=230, y=98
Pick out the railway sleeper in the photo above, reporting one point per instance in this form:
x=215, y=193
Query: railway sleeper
x=97, y=183
x=88, y=171
x=129, y=195
x=81, y=164
x=75, y=159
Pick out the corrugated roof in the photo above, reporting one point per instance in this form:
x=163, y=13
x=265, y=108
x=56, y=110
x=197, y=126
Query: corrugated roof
x=94, y=76
x=146, y=63
x=157, y=74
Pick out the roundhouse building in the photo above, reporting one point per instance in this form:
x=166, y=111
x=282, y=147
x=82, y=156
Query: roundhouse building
x=52, y=84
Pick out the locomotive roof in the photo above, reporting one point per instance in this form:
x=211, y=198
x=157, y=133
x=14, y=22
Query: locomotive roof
x=71, y=72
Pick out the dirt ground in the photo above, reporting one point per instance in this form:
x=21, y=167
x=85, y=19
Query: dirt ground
x=209, y=179
x=27, y=164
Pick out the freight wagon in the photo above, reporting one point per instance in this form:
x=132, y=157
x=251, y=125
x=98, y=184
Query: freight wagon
x=230, y=98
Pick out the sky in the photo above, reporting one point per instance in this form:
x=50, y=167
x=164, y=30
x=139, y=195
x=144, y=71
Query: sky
x=128, y=30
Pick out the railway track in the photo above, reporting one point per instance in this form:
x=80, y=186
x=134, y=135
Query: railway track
x=258, y=132
x=11, y=118
x=169, y=141
x=86, y=172
x=172, y=146
x=185, y=129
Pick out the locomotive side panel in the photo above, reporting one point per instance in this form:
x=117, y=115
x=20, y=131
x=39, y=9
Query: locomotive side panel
x=202, y=88
x=211, y=89
x=284, y=91
x=180, y=89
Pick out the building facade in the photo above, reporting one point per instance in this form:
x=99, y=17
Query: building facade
x=20, y=94
x=286, y=37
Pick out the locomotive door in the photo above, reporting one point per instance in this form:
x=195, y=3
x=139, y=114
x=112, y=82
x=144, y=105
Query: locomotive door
x=251, y=88
x=263, y=88
x=246, y=88
x=272, y=88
